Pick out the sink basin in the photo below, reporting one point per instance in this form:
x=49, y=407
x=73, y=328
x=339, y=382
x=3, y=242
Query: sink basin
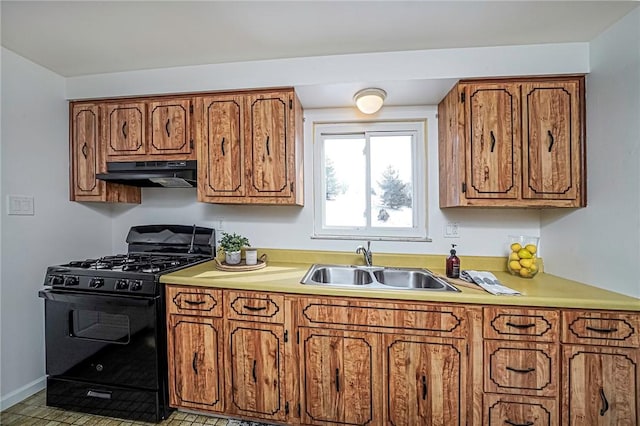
x=338, y=274
x=408, y=279
x=375, y=277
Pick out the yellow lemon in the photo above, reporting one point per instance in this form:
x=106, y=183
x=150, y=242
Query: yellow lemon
x=515, y=247
x=514, y=256
x=531, y=248
x=526, y=263
x=533, y=268
x=524, y=254
x=524, y=272
x=515, y=265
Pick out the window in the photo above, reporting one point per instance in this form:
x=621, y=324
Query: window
x=370, y=180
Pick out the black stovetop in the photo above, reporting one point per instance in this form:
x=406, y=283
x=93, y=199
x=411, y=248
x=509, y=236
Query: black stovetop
x=153, y=250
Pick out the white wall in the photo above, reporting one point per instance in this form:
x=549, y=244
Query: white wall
x=34, y=153
x=560, y=58
x=601, y=244
x=483, y=232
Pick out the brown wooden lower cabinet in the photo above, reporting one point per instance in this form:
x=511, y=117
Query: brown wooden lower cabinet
x=601, y=386
x=341, y=375
x=425, y=381
x=316, y=360
x=194, y=346
x=255, y=376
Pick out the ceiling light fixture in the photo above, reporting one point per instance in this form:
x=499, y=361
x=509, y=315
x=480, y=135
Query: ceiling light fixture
x=369, y=101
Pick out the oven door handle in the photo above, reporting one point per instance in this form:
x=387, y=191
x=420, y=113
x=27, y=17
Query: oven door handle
x=96, y=299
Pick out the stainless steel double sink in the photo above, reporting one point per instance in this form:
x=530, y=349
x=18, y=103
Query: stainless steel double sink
x=375, y=277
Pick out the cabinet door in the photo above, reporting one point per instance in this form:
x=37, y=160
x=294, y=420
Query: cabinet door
x=270, y=144
x=170, y=127
x=85, y=153
x=492, y=127
x=256, y=370
x=125, y=129
x=425, y=381
x=340, y=377
x=551, y=133
x=195, y=362
x=219, y=126
x=601, y=386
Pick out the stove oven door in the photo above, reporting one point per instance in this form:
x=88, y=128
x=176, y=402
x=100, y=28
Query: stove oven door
x=102, y=339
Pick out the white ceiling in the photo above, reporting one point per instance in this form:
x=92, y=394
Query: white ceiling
x=74, y=38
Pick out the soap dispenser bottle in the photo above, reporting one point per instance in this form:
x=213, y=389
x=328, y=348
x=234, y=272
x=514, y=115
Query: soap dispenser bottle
x=453, y=264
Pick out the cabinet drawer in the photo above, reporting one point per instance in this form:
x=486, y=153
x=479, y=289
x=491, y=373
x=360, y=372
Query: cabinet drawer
x=601, y=328
x=432, y=320
x=521, y=368
x=194, y=301
x=500, y=410
x=253, y=306
x=521, y=324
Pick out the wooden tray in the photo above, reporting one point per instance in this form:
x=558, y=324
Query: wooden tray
x=242, y=266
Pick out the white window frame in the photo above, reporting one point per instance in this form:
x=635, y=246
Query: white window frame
x=417, y=128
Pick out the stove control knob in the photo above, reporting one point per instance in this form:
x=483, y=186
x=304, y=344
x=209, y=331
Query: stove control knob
x=136, y=285
x=96, y=282
x=68, y=281
x=56, y=280
x=122, y=285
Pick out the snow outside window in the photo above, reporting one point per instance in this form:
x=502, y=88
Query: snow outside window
x=370, y=180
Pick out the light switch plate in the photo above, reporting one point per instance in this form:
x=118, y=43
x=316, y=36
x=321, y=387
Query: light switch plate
x=452, y=230
x=20, y=205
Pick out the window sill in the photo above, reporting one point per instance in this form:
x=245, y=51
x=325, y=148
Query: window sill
x=371, y=238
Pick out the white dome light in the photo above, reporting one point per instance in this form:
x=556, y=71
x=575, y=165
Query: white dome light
x=369, y=101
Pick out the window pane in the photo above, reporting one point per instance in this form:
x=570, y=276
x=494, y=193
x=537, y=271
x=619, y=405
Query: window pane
x=345, y=172
x=391, y=177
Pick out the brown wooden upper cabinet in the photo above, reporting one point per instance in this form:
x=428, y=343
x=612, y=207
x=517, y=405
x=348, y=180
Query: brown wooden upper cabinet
x=513, y=143
x=146, y=130
x=87, y=158
x=249, y=148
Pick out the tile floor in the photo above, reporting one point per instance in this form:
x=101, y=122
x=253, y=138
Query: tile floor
x=34, y=412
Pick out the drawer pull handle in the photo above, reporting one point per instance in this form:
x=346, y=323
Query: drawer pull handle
x=551, y=140
x=522, y=326
x=85, y=151
x=267, y=145
x=124, y=129
x=194, y=362
x=512, y=423
x=99, y=394
x=602, y=330
x=195, y=302
x=424, y=387
x=521, y=370
x=337, y=380
x=222, y=147
x=253, y=372
x=166, y=128
x=605, y=403
x=255, y=308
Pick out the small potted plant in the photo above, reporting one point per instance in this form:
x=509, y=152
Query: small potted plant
x=232, y=245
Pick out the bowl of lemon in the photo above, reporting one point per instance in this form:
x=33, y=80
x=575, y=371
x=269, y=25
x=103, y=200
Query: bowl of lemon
x=523, y=256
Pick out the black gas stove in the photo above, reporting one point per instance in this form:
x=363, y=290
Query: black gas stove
x=105, y=323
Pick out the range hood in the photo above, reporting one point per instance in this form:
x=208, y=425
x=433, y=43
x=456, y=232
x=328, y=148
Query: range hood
x=166, y=174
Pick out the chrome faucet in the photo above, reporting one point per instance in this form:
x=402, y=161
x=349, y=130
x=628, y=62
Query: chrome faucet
x=366, y=252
